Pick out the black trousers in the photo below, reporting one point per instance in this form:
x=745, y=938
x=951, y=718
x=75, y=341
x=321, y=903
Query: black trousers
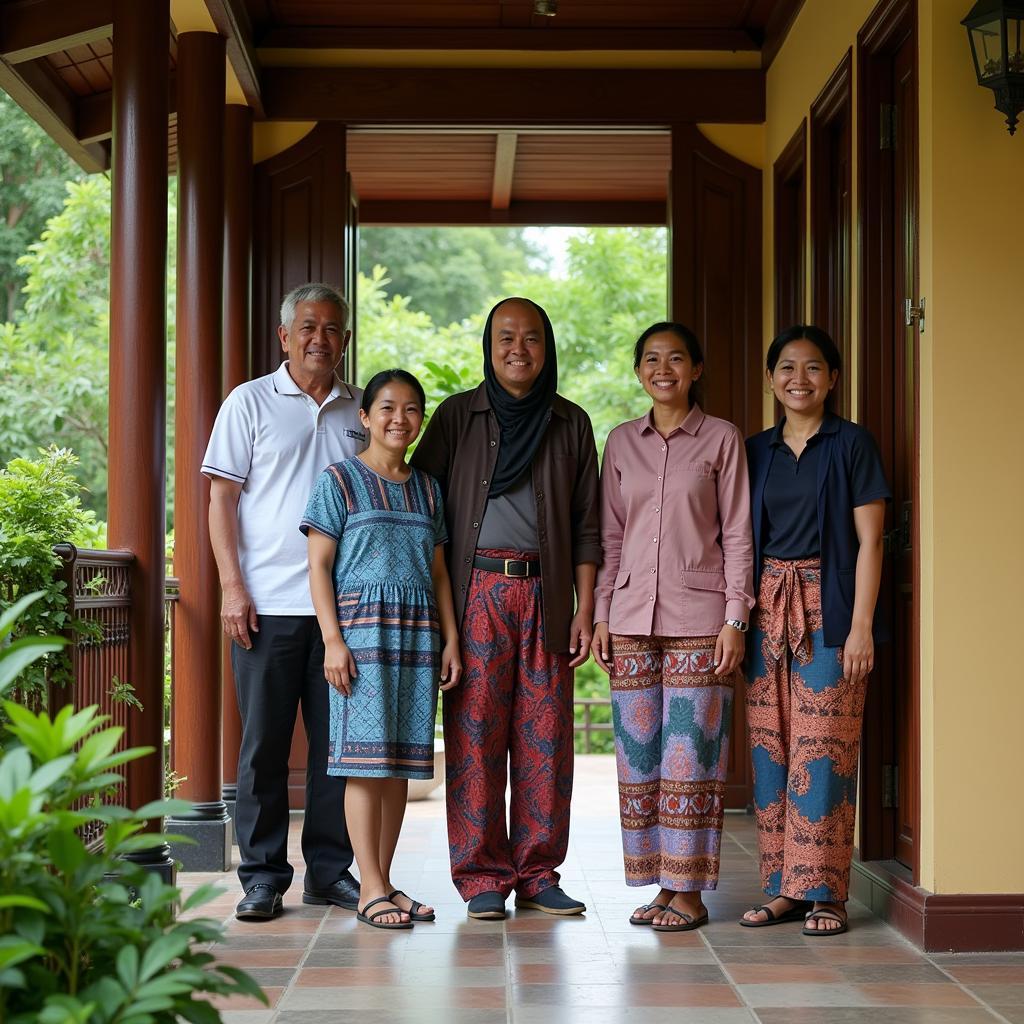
x=285, y=668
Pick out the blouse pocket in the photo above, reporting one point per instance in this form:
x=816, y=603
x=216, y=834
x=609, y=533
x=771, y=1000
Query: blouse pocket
x=704, y=579
x=701, y=467
x=621, y=579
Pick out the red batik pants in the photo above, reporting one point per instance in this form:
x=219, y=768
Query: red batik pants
x=512, y=708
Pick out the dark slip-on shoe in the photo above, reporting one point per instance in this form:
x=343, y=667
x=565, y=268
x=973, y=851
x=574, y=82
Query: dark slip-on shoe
x=487, y=906
x=552, y=901
x=261, y=902
x=343, y=893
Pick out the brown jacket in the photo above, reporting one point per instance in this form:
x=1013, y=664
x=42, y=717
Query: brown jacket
x=460, y=449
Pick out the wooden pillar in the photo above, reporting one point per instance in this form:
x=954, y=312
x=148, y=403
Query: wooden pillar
x=237, y=355
x=196, y=725
x=138, y=374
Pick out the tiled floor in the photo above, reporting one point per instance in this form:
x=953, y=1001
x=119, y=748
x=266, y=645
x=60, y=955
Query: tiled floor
x=322, y=966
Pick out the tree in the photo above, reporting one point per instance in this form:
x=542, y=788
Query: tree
x=54, y=356
x=32, y=175
x=449, y=273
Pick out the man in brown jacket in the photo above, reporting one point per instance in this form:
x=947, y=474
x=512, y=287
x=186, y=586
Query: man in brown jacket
x=518, y=470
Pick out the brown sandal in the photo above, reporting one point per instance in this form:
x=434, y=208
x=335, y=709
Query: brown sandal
x=633, y=919
x=797, y=912
x=689, y=922
x=825, y=914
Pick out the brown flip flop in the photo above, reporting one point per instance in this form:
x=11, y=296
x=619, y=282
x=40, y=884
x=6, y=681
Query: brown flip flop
x=797, y=912
x=825, y=915
x=689, y=921
x=633, y=919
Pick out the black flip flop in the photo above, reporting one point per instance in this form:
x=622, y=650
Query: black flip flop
x=633, y=919
x=414, y=910
x=827, y=915
x=689, y=921
x=797, y=912
x=372, y=919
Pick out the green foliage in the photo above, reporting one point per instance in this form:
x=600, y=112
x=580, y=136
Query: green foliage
x=40, y=507
x=54, y=355
x=450, y=272
x=86, y=936
x=592, y=682
x=33, y=170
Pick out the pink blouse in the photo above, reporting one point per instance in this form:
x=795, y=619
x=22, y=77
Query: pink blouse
x=675, y=528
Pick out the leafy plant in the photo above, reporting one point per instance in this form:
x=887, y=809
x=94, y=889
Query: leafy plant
x=40, y=507
x=85, y=936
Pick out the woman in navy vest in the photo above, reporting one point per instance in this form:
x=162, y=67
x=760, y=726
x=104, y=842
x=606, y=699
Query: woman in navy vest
x=818, y=496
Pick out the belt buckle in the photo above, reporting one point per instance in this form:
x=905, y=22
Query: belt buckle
x=517, y=561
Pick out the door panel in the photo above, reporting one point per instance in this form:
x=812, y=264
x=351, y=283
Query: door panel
x=887, y=400
x=715, y=288
x=299, y=216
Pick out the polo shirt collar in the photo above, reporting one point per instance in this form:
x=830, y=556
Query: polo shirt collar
x=694, y=418
x=829, y=425
x=285, y=385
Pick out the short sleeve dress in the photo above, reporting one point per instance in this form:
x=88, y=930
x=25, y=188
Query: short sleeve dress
x=386, y=534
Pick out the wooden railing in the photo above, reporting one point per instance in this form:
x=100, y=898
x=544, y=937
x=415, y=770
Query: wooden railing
x=99, y=592
x=588, y=726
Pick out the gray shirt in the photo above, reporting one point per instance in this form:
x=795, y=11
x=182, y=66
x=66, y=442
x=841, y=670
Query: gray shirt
x=510, y=519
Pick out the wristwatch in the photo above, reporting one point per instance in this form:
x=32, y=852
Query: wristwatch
x=736, y=624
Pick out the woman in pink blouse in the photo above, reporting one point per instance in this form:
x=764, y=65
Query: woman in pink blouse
x=672, y=602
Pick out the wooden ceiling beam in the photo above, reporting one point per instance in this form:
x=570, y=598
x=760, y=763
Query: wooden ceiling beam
x=777, y=28
x=30, y=29
x=33, y=88
x=434, y=96
x=399, y=38
x=447, y=213
x=94, y=114
x=232, y=21
x=504, y=169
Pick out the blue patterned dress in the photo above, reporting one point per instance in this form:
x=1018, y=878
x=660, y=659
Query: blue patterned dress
x=386, y=534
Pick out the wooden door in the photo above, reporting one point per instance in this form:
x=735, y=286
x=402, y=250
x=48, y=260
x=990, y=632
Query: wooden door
x=304, y=222
x=888, y=399
x=300, y=213
x=715, y=288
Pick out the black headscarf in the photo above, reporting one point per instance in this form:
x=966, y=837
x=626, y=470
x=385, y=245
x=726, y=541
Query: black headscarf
x=522, y=420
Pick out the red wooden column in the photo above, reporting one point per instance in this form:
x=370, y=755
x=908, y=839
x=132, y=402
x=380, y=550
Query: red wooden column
x=237, y=350
x=138, y=374
x=196, y=725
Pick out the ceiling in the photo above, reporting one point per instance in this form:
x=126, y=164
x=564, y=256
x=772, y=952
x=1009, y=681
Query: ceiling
x=57, y=59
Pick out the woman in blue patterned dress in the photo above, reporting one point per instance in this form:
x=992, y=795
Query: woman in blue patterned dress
x=384, y=603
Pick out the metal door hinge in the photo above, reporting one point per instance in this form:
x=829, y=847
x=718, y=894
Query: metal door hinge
x=887, y=126
x=914, y=314
x=890, y=787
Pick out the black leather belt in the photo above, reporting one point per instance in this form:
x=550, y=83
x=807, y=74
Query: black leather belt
x=517, y=567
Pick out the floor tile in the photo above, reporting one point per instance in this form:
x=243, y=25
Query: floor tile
x=320, y=965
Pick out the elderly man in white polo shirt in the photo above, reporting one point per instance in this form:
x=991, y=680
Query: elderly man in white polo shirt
x=272, y=438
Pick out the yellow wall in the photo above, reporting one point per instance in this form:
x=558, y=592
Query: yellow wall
x=972, y=368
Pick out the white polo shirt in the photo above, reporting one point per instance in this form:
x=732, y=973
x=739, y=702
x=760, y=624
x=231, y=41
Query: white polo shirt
x=274, y=440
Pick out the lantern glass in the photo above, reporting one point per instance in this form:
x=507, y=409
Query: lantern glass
x=1015, y=44
x=987, y=43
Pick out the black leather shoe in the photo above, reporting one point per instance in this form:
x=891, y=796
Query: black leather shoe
x=487, y=906
x=552, y=901
x=343, y=893
x=261, y=902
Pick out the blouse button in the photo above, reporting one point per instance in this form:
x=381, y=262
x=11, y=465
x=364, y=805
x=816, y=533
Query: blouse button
x=493, y=443
x=663, y=447
x=651, y=598
x=483, y=483
x=657, y=509
x=467, y=560
x=476, y=526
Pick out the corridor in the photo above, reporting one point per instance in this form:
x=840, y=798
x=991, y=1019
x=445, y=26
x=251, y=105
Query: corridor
x=322, y=967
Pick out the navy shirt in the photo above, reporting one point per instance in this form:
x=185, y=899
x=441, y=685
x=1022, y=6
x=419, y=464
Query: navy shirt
x=848, y=474
x=791, y=499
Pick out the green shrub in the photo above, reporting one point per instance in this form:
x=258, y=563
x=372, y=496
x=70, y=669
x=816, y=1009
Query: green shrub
x=40, y=507
x=85, y=936
x=592, y=682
